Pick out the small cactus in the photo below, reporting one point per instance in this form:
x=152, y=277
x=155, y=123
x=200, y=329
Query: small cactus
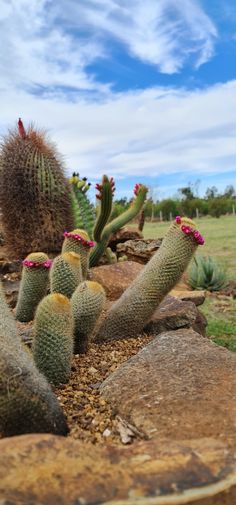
x=87, y=303
x=27, y=403
x=132, y=311
x=53, y=338
x=78, y=241
x=33, y=286
x=65, y=274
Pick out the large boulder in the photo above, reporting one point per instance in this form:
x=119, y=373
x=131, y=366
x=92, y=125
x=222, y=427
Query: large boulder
x=44, y=469
x=115, y=278
x=179, y=386
x=140, y=250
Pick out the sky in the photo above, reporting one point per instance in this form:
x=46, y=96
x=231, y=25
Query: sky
x=144, y=91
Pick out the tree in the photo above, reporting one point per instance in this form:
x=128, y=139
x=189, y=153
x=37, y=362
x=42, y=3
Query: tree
x=211, y=192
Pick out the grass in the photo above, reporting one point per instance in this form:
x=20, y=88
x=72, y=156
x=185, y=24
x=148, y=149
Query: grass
x=220, y=312
x=220, y=239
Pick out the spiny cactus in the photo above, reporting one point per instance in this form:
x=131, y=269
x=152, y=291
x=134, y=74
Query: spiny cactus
x=65, y=274
x=140, y=192
x=78, y=241
x=83, y=211
x=53, y=338
x=27, y=403
x=33, y=286
x=131, y=312
x=105, y=194
x=87, y=303
x=34, y=193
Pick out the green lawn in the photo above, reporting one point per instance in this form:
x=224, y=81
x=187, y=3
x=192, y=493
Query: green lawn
x=219, y=234
x=220, y=312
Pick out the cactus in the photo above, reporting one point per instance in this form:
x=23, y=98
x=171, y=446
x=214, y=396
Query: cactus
x=65, y=274
x=83, y=212
x=132, y=311
x=53, y=338
x=140, y=192
x=27, y=403
x=87, y=303
x=111, y=256
x=34, y=193
x=105, y=193
x=33, y=285
x=78, y=241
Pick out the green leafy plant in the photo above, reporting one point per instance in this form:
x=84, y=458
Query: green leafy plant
x=206, y=273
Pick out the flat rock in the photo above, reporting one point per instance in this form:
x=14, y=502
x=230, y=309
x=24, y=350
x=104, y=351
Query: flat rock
x=44, y=469
x=140, y=250
x=122, y=235
x=173, y=314
x=115, y=278
x=197, y=297
x=179, y=386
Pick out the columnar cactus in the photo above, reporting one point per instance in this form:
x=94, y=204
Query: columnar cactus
x=131, y=312
x=34, y=193
x=27, y=403
x=87, y=303
x=65, y=274
x=33, y=286
x=83, y=212
x=78, y=241
x=105, y=194
x=53, y=338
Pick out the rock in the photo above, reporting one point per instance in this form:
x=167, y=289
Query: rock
x=115, y=278
x=122, y=235
x=44, y=469
x=197, y=297
x=139, y=250
x=11, y=289
x=173, y=314
x=179, y=386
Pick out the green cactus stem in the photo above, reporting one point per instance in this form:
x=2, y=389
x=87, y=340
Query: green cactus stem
x=27, y=403
x=34, y=193
x=105, y=195
x=83, y=211
x=111, y=256
x=53, y=338
x=128, y=316
x=65, y=274
x=117, y=223
x=78, y=241
x=87, y=303
x=33, y=286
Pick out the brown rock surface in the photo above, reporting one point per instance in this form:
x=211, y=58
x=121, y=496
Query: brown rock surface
x=115, y=278
x=180, y=385
x=42, y=469
x=197, y=297
x=140, y=250
x=122, y=235
x=173, y=314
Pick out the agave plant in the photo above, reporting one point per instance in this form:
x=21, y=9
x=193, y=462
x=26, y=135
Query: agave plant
x=206, y=273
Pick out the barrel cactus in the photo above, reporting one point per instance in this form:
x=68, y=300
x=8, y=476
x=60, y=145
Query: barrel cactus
x=87, y=303
x=27, y=403
x=131, y=312
x=53, y=338
x=34, y=193
x=33, y=286
x=65, y=274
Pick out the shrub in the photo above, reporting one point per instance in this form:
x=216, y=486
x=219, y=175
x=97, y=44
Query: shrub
x=206, y=273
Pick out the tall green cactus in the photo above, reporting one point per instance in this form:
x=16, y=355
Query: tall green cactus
x=131, y=312
x=78, y=241
x=87, y=303
x=27, y=403
x=65, y=274
x=83, y=211
x=34, y=193
x=33, y=286
x=53, y=338
x=105, y=194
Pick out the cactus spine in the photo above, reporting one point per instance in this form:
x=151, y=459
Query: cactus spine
x=53, y=338
x=27, y=404
x=87, y=303
x=78, y=241
x=131, y=312
x=65, y=274
x=34, y=193
x=33, y=286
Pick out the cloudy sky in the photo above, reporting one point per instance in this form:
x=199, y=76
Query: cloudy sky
x=144, y=91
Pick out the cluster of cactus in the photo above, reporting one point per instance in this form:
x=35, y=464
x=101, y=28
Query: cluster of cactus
x=34, y=193
x=27, y=403
x=101, y=229
x=128, y=315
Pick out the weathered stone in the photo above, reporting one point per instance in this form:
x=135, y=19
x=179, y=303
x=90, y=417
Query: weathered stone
x=180, y=386
x=115, y=278
x=173, y=314
x=42, y=469
x=140, y=250
x=197, y=297
x=11, y=289
x=122, y=235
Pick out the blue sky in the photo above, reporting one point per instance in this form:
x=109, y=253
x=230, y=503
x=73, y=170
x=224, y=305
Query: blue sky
x=142, y=91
